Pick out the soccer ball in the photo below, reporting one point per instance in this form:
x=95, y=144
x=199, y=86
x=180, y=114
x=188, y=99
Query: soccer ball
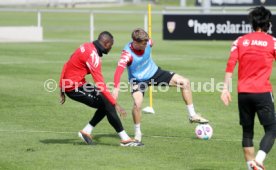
x=204, y=131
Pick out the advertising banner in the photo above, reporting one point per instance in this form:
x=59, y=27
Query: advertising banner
x=207, y=26
x=237, y=2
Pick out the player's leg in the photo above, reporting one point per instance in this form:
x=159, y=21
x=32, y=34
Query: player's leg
x=266, y=144
x=266, y=115
x=247, y=115
x=85, y=133
x=184, y=84
x=115, y=122
x=88, y=95
x=137, y=96
x=247, y=144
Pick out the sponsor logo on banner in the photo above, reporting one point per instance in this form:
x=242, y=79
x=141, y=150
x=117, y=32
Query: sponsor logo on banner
x=209, y=27
x=171, y=26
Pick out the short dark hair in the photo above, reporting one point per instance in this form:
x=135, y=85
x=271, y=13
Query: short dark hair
x=105, y=35
x=260, y=17
x=139, y=35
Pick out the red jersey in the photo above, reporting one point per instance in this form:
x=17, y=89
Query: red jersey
x=255, y=53
x=85, y=60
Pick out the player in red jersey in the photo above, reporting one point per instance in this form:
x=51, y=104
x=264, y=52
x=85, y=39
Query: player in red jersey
x=255, y=52
x=87, y=60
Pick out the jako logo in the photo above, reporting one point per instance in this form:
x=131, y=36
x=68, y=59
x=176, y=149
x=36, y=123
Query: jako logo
x=259, y=43
x=222, y=28
x=247, y=42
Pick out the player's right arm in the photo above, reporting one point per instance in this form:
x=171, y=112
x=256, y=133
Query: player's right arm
x=94, y=64
x=225, y=94
x=62, y=93
x=125, y=60
x=231, y=63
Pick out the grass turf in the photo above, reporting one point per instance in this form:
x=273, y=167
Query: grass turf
x=36, y=132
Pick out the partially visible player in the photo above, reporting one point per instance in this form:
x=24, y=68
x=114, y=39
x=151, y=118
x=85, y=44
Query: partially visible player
x=87, y=60
x=255, y=53
x=142, y=71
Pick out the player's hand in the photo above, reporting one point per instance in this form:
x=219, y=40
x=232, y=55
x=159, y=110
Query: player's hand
x=225, y=97
x=151, y=42
x=121, y=110
x=62, y=98
x=115, y=93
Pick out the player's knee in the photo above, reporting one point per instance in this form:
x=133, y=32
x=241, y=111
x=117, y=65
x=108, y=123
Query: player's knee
x=137, y=107
x=247, y=140
x=248, y=131
x=247, y=136
x=270, y=129
x=184, y=83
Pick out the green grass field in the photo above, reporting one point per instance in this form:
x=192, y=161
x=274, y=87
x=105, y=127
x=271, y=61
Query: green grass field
x=36, y=132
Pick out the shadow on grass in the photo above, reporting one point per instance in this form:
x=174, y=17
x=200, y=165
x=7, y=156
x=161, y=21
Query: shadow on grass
x=97, y=140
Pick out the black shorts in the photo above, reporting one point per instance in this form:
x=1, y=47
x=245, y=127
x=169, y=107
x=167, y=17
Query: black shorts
x=161, y=77
x=260, y=103
x=87, y=94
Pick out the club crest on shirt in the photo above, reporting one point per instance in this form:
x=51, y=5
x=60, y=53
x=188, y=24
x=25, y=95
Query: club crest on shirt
x=246, y=42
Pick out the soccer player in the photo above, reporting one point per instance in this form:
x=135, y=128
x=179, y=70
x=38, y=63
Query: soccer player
x=87, y=60
x=255, y=53
x=142, y=71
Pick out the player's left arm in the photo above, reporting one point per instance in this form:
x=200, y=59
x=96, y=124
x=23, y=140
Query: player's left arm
x=274, y=41
x=151, y=42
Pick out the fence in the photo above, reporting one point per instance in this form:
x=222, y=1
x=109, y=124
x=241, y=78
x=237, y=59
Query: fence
x=49, y=3
x=84, y=23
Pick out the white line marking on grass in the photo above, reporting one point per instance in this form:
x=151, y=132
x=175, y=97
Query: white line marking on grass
x=33, y=62
x=153, y=136
x=33, y=131
x=62, y=41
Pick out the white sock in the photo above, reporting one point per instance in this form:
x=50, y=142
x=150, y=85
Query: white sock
x=260, y=157
x=88, y=128
x=123, y=135
x=137, y=128
x=191, y=110
x=248, y=165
